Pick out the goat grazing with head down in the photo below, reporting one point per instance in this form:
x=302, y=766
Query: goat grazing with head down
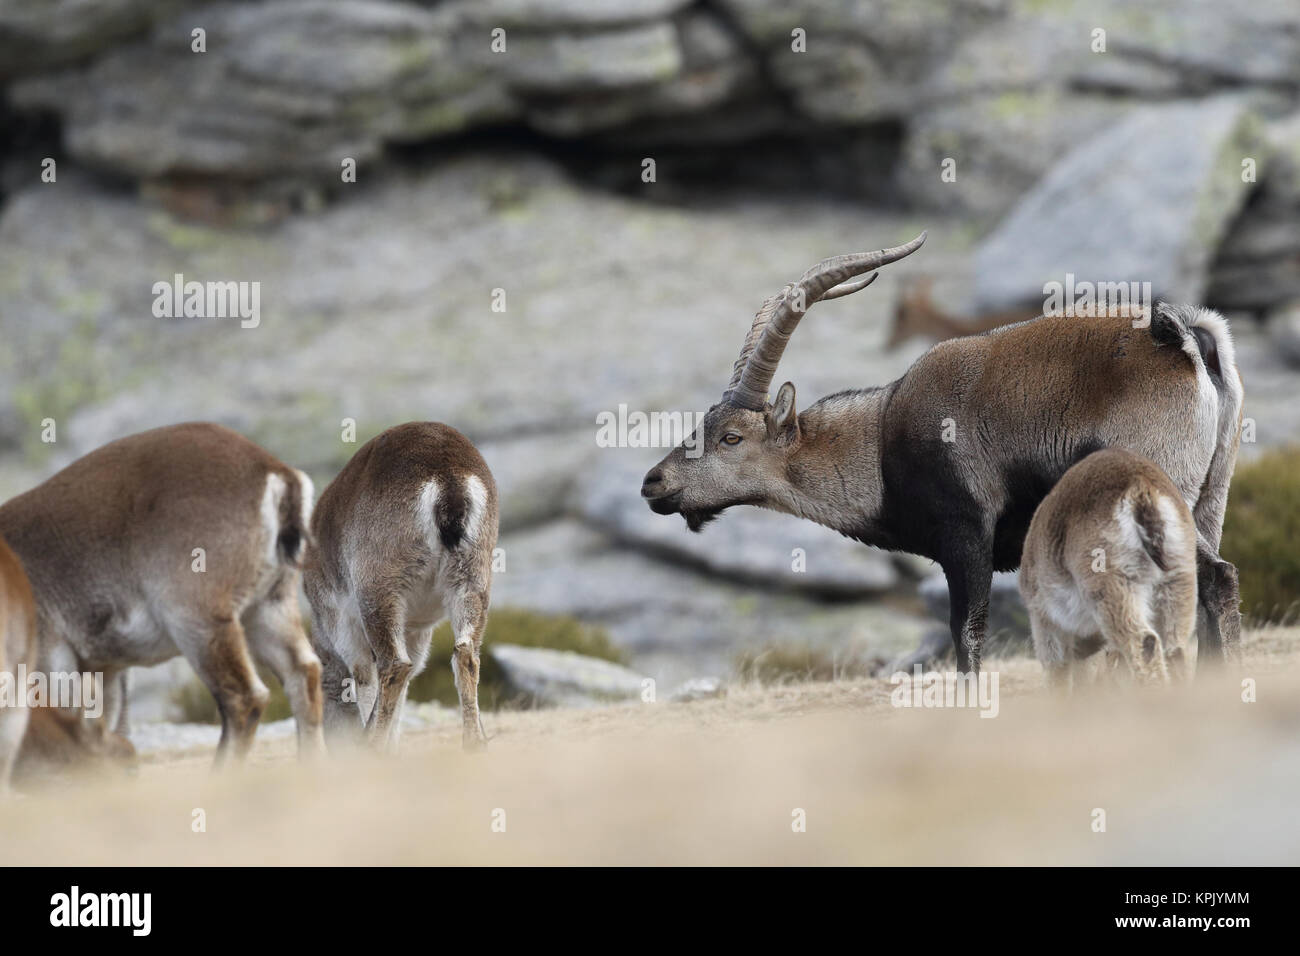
x=951, y=460
x=1110, y=561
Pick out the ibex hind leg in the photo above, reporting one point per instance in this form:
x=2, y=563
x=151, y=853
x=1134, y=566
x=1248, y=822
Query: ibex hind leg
x=1053, y=648
x=218, y=651
x=13, y=725
x=383, y=619
x=340, y=715
x=1174, y=618
x=348, y=677
x=418, y=642
x=278, y=641
x=468, y=620
x=1219, y=630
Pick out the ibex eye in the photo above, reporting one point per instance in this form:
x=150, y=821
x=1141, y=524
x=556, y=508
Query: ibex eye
x=731, y=438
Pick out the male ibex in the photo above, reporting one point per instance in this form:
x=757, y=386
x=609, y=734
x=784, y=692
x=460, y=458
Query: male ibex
x=403, y=538
x=17, y=653
x=951, y=460
x=1110, y=560
x=180, y=540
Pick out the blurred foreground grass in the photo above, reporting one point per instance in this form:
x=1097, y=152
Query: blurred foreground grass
x=1188, y=775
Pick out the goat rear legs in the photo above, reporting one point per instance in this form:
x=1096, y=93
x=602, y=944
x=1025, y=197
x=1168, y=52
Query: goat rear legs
x=1219, y=595
x=386, y=632
x=1054, y=650
x=277, y=639
x=468, y=619
x=218, y=652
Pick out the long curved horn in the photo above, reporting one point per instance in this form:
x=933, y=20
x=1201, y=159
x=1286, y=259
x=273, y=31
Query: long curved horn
x=775, y=322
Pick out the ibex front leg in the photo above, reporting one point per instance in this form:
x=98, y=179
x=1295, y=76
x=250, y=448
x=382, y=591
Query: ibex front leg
x=970, y=576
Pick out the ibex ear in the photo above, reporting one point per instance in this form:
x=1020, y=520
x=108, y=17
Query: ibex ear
x=782, y=422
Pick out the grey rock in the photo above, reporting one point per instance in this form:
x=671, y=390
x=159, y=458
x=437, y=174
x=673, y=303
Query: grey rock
x=698, y=688
x=906, y=29
x=1001, y=143
x=713, y=72
x=1017, y=92
x=675, y=623
x=560, y=63
x=1168, y=179
x=839, y=81
x=1281, y=181
x=285, y=89
x=150, y=690
x=536, y=474
x=1257, y=266
x=1007, y=632
x=594, y=284
x=543, y=15
x=564, y=678
x=1284, y=332
x=38, y=35
x=1008, y=621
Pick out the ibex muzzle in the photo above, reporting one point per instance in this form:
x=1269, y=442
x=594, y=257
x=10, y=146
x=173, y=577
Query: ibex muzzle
x=950, y=460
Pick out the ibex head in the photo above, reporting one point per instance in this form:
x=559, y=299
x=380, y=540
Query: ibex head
x=742, y=451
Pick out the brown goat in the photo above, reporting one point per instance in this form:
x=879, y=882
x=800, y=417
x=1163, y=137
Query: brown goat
x=180, y=540
x=1110, y=560
x=403, y=538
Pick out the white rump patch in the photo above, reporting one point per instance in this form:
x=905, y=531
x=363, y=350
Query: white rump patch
x=1217, y=326
x=424, y=513
x=308, y=491
x=272, y=495
x=478, y=496
x=1173, y=524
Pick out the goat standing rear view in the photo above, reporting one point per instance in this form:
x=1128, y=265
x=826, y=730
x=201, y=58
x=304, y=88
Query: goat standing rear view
x=403, y=538
x=951, y=460
x=1110, y=559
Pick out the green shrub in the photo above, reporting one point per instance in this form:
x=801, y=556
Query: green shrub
x=1261, y=534
x=195, y=704
x=508, y=626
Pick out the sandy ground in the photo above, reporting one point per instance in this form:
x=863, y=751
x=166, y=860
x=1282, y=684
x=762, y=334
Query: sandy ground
x=1188, y=775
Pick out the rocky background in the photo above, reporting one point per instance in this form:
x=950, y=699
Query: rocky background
x=1165, y=148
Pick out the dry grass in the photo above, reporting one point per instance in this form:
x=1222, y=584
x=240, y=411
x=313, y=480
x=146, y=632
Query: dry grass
x=1192, y=775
